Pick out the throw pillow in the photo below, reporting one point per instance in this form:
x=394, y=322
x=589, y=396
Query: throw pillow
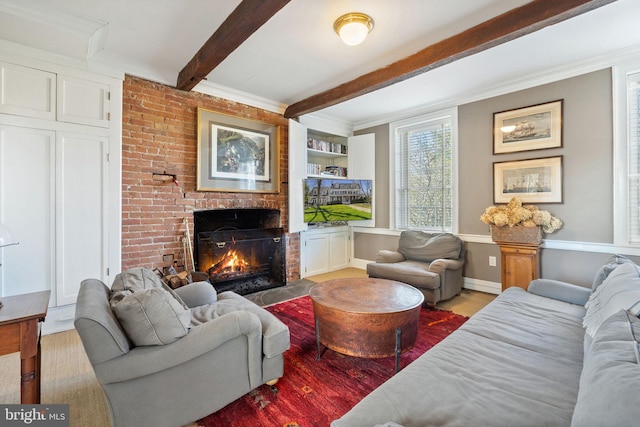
x=609, y=385
x=152, y=317
x=620, y=290
x=135, y=279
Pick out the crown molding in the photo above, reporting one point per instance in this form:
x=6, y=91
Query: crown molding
x=326, y=123
x=219, y=91
x=523, y=82
x=36, y=58
x=77, y=36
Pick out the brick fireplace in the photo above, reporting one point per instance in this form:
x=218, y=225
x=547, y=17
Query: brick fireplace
x=241, y=250
x=159, y=136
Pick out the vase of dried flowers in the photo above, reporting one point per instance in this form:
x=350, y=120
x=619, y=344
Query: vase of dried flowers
x=518, y=223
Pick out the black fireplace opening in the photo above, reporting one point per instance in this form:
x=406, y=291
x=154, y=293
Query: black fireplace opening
x=240, y=250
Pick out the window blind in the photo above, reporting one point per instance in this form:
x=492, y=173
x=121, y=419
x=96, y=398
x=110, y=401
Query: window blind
x=633, y=106
x=423, y=180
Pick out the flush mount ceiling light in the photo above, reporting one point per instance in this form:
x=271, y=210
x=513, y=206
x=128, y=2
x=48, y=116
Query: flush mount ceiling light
x=353, y=27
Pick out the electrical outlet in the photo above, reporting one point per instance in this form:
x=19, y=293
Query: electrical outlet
x=492, y=261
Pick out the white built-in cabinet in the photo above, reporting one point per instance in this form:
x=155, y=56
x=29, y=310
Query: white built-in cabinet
x=326, y=248
x=59, y=181
x=83, y=101
x=28, y=92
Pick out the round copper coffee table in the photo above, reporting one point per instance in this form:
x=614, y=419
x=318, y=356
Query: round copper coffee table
x=365, y=317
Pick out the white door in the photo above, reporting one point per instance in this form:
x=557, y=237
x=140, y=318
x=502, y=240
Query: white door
x=27, y=208
x=81, y=211
x=52, y=198
x=297, y=174
x=362, y=165
x=362, y=156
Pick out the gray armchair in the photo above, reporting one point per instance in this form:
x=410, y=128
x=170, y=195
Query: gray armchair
x=430, y=262
x=183, y=368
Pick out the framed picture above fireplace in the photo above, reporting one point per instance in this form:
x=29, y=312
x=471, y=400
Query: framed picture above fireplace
x=236, y=154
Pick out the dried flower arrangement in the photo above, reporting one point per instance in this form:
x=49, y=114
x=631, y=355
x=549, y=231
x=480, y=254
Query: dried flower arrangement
x=514, y=213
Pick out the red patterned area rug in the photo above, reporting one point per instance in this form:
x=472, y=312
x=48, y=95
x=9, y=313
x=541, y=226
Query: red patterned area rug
x=313, y=393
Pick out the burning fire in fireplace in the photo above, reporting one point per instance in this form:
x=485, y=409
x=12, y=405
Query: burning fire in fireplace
x=230, y=263
x=241, y=250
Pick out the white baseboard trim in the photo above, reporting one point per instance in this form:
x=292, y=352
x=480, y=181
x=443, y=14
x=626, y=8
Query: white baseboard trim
x=59, y=319
x=482, y=286
x=360, y=263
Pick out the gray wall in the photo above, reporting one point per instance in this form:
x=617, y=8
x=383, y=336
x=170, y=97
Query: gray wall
x=587, y=208
x=587, y=156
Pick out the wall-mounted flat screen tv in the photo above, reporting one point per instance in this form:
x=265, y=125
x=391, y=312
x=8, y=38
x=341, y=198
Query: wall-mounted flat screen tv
x=337, y=200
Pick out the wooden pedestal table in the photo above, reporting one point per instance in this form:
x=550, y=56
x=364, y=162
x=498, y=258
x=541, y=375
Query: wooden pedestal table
x=519, y=264
x=370, y=318
x=20, y=318
x=519, y=254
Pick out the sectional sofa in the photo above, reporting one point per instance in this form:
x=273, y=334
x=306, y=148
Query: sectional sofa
x=554, y=355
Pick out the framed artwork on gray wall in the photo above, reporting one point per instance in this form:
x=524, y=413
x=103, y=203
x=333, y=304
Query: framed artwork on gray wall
x=532, y=181
x=529, y=128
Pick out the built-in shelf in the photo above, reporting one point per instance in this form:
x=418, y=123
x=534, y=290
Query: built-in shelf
x=325, y=154
x=326, y=176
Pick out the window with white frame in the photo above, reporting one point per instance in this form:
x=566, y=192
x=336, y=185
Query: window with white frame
x=633, y=153
x=424, y=168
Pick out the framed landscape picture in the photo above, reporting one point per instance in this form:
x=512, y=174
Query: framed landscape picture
x=532, y=181
x=530, y=128
x=236, y=154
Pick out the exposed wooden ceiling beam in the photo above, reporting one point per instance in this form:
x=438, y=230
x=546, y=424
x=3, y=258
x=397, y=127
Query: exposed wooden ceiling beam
x=241, y=23
x=510, y=25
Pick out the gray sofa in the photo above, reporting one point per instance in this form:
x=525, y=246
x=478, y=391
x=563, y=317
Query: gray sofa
x=168, y=358
x=555, y=355
x=432, y=263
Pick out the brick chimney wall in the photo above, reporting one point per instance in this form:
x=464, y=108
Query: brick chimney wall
x=159, y=135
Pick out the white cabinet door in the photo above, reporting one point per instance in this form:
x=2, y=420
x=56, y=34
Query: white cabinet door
x=81, y=213
x=27, y=208
x=339, y=250
x=52, y=198
x=83, y=102
x=362, y=156
x=314, y=255
x=362, y=165
x=324, y=250
x=27, y=92
x=297, y=174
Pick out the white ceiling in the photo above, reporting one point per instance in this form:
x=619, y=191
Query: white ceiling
x=296, y=54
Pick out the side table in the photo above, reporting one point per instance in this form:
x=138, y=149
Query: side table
x=20, y=318
x=519, y=264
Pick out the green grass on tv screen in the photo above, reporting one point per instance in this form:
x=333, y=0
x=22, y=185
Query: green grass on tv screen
x=328, y=213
